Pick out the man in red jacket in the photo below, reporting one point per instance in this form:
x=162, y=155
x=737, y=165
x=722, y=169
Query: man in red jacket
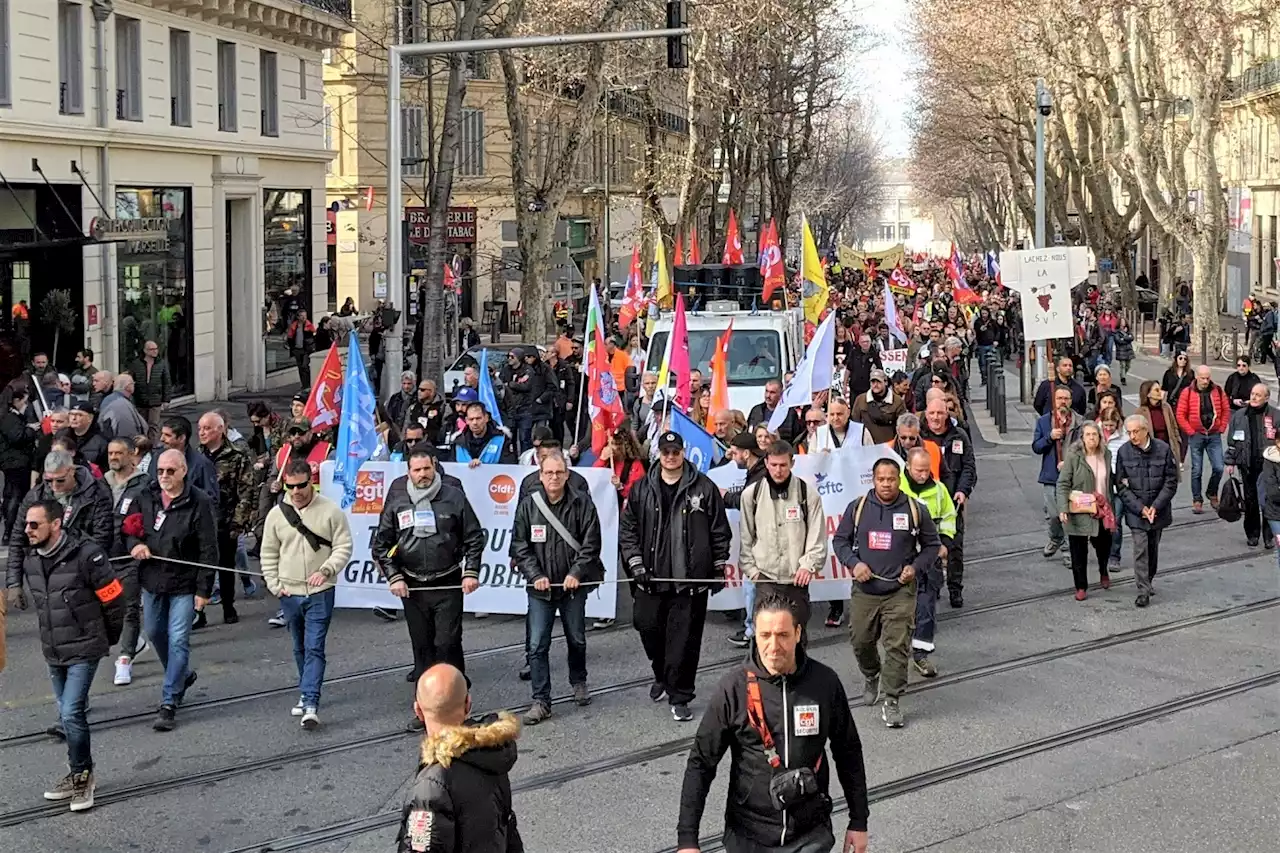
x=1203, y=413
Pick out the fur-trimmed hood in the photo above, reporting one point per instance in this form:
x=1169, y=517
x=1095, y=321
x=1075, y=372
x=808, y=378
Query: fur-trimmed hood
x=489, y=745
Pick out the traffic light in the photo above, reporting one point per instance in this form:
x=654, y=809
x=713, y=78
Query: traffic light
x=677, y=46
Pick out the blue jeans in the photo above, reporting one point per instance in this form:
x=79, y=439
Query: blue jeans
x=1117, y=535
x=1275, y=531
x=1050, y=495
x=927, y=589
x=749, y=602
x=71, y=692
x=573, y=616
x=523, y=429
x=308, y=619
x=1212, y=446
x=167, y=621
x=985, y=354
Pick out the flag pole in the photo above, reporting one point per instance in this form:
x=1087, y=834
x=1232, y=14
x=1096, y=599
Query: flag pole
x=582, y=400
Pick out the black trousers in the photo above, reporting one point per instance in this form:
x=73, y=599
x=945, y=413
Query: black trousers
x=798, y=596
x=955, y=555
x=303, y=360
x=227, y=580
x=1253, y=521
x=434, y=617
x=16, y=484
x=1079, y=548
x=670, y=626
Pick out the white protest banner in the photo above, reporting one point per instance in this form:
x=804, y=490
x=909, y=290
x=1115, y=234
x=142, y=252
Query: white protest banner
x=492, y=491
x=1044, y=279
x=894, y=359
x=840, y=477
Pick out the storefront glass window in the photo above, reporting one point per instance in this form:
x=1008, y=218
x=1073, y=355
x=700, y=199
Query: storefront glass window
x=153, y=281
x=286, y=268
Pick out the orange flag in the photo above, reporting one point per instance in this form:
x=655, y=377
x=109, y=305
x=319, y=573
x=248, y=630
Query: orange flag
x=679, y=253
x=695, y=253
x=720, y=373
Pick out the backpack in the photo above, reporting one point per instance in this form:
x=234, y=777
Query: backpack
x=912, y=504
x=1231, y=500
x=804, y=498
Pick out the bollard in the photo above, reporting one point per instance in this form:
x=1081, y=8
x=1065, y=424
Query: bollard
x=1235, y=344
x=1002, y=414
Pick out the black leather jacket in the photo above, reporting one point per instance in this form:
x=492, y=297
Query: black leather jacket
x=699, y=532
x=402, y=556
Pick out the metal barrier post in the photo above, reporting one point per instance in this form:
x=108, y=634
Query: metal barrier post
x=1002, y=414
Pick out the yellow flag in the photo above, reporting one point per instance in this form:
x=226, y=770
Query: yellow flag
x=665, y=293
x=813, y=278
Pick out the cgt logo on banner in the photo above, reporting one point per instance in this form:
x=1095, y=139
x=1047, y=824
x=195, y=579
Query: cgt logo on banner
x=492, y=490
x=841, y=477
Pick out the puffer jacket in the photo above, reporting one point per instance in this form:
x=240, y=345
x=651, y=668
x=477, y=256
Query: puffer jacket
x=461, y=798
x=540, y=552
x=79, y=601
x=1188, y=411
x=434, y=558
x=87, y=515
x=1122, y=340
x=749, y=810
x=698, y=534
x=1147, y=476
x=187, y=530
x=153, y=391
x=783, y=533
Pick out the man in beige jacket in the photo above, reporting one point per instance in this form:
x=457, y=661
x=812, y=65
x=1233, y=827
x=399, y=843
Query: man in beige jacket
x=306, y=542
x=784, y=533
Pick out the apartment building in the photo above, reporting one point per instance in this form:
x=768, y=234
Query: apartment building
x=163, y=161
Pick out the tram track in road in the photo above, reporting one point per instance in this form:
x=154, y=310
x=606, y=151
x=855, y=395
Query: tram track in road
x=1039, y=549
x=372, y=823
x=991, y=760
x=819, y=641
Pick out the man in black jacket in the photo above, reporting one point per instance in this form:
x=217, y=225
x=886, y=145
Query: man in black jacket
x=17, y=448
x=674, y=539
x=555, y=542
x=428, y=409
x=860, y=362
x=1065, y=378
x=888, y=539
x=461, y=798
x=92, y=444
x=776, y=716
x=428, y=537
x=80, y=605
x=1146, y=480
x=523, y=388
x=86, y=510
x=1251, y=430
x=171, y=529
x=959, y=476
x=761, y=413
x=482, y=441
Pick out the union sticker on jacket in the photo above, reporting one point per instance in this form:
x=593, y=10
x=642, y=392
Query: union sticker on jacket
x=405, y=519
x=793, y=513
x=806, y=722
x=419, y=826
x=900, y=521
x=538, y=533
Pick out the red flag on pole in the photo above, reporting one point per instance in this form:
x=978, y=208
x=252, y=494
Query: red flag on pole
x=772, y=272
x=720, y=374
x=732, y=241
x=633, y=297
x=324, y=406
x=679, y=252
x=695, y=252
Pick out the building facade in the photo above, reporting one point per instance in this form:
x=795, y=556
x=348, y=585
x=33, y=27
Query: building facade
x=163, y=163
x=901, y=219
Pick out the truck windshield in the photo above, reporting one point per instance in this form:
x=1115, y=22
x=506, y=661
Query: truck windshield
x=754, y=356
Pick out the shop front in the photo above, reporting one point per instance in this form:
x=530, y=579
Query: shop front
x=286, y=270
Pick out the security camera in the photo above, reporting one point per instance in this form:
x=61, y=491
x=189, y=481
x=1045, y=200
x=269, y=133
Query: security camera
x=1044, y=103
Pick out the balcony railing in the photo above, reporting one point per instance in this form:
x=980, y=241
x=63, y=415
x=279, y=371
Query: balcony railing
x=1259, y=79
x=333, y=7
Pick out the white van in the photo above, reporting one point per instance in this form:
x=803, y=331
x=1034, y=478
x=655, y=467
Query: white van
x=766, y=345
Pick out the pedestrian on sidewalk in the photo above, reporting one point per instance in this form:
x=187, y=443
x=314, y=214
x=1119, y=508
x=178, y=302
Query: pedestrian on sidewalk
x=1122, y=346
x=306, y=542
x=80, y=605
x=1240, y=383
x=1203, y=414
x=1252, y=430
x=1269, y=484
x=1161, y=416
x=1147, y=479
x=1055, y=431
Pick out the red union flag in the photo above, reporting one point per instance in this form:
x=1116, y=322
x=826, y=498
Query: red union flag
x=732, y=241
x=901, y=282
x=324, y=406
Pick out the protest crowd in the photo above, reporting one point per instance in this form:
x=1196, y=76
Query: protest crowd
x=129, y=526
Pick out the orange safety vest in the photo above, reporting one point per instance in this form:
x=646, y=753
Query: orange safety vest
x=935, y=456
x=319, y=453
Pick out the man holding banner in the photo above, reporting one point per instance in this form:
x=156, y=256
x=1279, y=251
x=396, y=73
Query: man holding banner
x=674, y=538
x=426, y=532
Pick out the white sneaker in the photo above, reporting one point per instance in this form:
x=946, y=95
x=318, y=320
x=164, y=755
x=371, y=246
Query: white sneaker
x=298, y=709
x=310, y=719
x=277, y=621
x=124, y=671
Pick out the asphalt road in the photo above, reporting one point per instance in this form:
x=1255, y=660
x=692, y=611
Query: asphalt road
x=1055, y=725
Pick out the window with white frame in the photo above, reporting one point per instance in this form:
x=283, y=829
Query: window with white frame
x=412, y=163
x=180, y=78
x=70, y=60
x=128, y=69
x=4, y=53
x=227, y=86
x=471, y=150
x=268, y=93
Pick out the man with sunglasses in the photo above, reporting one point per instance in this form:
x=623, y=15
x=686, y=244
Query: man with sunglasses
x=201, y=473
x=86, y=511
x=171, y=529
x=236, y=502
x=306, y=543
x=80, y=605
x=907, y=438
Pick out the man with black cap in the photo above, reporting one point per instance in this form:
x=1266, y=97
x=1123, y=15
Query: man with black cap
x=521, y=394
x=92, y=445
x=674, y=539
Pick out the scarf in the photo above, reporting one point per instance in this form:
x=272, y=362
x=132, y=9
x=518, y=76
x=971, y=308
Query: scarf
x=1062, y=422
x=421, y=499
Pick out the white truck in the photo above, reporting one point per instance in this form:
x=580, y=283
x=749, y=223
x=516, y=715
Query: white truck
x=765, y=345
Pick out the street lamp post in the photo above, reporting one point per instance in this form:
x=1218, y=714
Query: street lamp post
x=1044, y=108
